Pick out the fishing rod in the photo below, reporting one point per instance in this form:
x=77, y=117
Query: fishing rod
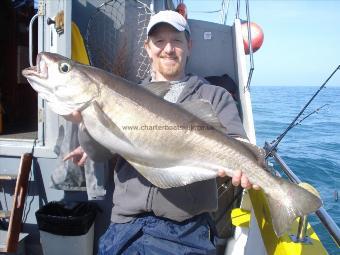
x=315, y=111
x=273, y=145
x=300, y=121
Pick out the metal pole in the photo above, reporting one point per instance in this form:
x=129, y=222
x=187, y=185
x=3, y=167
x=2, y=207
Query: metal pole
x=329, y=224
x=30, y=34
x=322, y=214
x=251, y=70
x=238, y=9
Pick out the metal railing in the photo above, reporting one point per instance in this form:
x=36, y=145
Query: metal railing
x=250, y=46
x=322, y=214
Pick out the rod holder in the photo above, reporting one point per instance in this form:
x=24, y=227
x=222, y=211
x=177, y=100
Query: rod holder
x=301, y=235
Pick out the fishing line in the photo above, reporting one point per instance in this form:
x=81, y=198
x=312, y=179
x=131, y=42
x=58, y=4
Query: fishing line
x=315, y=111
x=273, y=145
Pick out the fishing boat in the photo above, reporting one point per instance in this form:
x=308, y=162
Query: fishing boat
x=109, y=34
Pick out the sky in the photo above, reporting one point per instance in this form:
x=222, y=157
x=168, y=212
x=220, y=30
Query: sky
x=301, y=38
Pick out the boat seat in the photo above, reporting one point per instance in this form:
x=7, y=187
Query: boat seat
x=212, y=54
x=225, y=82
x=213, y=57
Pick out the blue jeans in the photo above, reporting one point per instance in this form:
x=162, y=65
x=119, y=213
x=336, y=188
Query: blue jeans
x=151, y=235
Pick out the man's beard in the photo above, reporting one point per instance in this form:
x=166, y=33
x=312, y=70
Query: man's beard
x=170, y=71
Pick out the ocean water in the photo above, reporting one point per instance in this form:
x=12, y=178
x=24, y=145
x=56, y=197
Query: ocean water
x=312, y=149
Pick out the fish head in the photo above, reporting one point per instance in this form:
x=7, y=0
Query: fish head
x=63, y=83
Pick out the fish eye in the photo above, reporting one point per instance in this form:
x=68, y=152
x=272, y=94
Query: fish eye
x=64, y=67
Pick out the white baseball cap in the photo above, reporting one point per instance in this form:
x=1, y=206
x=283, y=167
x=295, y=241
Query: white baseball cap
x=170, y=17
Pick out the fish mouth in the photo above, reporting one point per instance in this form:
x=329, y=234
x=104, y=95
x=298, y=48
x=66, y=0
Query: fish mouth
x=37, y=76
x=40, y=71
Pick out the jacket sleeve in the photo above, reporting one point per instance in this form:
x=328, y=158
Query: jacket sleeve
x=93, y=149
x=225, y=108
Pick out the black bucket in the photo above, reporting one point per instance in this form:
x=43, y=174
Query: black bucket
x=57, y=218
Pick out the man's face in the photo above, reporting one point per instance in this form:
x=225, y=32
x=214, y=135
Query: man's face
x=168, y=50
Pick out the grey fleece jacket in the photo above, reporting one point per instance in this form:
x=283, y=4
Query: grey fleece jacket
x=133, y=194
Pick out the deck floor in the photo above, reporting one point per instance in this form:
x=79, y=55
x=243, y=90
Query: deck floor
x=21, y=135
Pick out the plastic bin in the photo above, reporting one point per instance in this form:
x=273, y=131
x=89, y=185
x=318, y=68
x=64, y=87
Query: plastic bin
x=65, y=230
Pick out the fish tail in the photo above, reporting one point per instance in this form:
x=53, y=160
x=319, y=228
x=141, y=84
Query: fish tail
x=291, y=202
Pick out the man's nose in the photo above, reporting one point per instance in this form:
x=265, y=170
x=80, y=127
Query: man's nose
x=168, y=48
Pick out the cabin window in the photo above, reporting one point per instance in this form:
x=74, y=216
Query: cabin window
x=18, y=101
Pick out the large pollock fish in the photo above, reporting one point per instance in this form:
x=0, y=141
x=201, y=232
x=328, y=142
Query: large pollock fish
x=167, y=143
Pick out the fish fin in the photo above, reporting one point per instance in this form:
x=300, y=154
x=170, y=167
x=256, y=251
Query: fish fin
x=159, y=88
x=294, y=202
x=107, y=122
x=173, y=176
x=203, y=110
x=259, y=152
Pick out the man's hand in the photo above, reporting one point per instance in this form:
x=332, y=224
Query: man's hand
x=78, y=156
x=74, y=117
x=239, y=178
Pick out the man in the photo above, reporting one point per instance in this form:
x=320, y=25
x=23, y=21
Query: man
x=146, y=219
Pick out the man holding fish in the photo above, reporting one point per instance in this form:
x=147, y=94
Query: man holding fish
x=182, y=209
x=164, y=179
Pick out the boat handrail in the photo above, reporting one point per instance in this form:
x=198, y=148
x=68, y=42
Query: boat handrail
x=251, y=52
x=322, y=214
x=251, y=57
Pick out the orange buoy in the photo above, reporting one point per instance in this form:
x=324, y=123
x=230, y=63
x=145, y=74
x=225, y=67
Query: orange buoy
x=182, y=9
x=257, y=36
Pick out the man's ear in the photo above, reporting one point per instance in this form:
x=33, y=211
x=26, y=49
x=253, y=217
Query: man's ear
x=147, y=48
x=190, y=46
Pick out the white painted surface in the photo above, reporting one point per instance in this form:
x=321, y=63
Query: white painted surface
x=236, y=245
x=67, y=245
x=255, y=245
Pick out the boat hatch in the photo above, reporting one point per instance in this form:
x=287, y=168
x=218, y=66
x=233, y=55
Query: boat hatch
x=18, y=102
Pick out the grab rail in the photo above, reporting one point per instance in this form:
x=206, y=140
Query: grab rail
x=250, y=46
x=30, y=49
x=322, y=214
